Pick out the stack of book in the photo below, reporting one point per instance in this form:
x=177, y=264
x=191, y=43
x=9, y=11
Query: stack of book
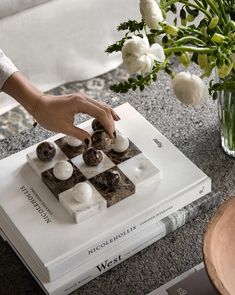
x=63, y=255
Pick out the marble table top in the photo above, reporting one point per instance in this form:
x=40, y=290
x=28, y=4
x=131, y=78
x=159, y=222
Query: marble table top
x=195, y=132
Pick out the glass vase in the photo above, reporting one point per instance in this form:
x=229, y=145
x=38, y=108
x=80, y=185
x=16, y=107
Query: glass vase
x=226, y=107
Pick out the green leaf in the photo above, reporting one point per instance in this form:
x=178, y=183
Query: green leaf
x=134, y=87
x=131, y=80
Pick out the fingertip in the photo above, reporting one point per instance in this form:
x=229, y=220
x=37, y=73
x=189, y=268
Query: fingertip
x=88, y=142
x=118, y=117
x=82, y=135
x=111, y=135
x=115, y=116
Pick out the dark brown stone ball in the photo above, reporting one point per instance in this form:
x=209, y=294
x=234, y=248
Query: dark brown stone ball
x=45, y=151
x=101, y=140
x=96, y=125
x=92, y=157
x=111, y=179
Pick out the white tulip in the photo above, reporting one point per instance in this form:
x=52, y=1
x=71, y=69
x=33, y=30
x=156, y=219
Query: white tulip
x=151, y=13
x=139, y=57
x=189, y=89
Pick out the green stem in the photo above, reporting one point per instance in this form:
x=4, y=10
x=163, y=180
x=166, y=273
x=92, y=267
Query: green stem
x=215, y=10
x=189, y=38
x=190, y=49
x=223, y=11
x=169, y=3
x=191, y=30
x=145, y=30
x=198, y=3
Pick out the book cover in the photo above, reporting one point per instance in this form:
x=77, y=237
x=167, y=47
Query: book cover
x=119, y=253
x=196, y=283
x=36, y=215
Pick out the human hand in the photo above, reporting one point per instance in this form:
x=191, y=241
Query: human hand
x=56, y=113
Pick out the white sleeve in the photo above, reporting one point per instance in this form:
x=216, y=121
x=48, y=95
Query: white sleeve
x=7, y=68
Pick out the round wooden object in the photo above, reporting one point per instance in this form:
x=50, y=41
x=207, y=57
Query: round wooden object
x=219, y=248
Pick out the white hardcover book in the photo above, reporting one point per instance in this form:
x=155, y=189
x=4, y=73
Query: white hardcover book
x=36, y=215
x=100, y=264
x=117, y=254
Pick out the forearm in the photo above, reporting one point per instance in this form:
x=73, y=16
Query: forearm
x=18, y=87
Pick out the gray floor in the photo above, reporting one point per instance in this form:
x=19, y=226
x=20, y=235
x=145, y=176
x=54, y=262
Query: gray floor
x=195, y=132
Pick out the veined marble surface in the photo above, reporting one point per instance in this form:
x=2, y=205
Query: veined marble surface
x=195, y=132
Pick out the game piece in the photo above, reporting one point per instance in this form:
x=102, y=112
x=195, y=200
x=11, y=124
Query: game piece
x=82, y=192
x=101, y=140
x=92, y=157
x=63, y=170
x=96, y=125
x=57, y=186
x=91, y=171
x=141, y=171
x=121, y=143
x=68, y=150
x=39, y=166
x=45, y=151
x=122, y=190
x=118, y=158
x=81, y=211
x=73, y=141
x=111, y=179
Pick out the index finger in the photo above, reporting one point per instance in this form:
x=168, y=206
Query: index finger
x=100, y=114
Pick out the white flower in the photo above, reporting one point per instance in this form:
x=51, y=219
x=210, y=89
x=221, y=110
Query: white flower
x=189, y=89
x=139, y=57
x=151, y=13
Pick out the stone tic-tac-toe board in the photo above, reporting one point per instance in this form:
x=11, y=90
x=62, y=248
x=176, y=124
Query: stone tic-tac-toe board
x=135, y=169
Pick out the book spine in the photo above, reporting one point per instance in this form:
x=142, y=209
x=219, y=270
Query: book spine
x=140, y=241
x=127, y=230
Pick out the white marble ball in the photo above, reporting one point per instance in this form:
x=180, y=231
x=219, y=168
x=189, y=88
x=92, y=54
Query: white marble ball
x=121, y=143
x=63, y=170
x=82, y=192
x=73, y=141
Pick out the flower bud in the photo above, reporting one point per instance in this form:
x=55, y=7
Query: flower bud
x=218, y=38
x=224, y=70
x=185, y=59
x=202, y=61
x=212, y=58
x=189, y=89
x=214, y=21
x=203, y=30
x=183, y=22
x=151, y=13
x=171, y=30
x=231, y=35
x=183, y=17
x=190, y=18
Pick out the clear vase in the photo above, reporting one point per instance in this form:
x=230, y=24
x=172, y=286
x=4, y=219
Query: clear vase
x=226, y=107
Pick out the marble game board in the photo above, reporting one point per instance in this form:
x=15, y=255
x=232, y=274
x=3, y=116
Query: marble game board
x=135, y=169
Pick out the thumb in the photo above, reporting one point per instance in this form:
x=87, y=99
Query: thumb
x=80, y=134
